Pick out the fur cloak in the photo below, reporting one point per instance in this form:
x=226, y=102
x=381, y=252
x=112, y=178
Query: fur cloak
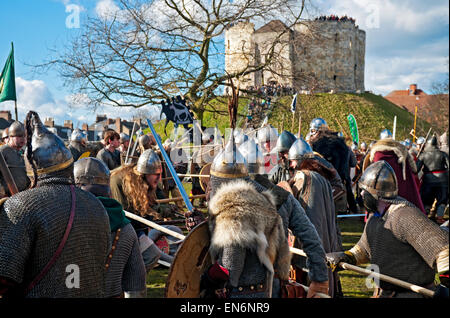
x=240, y=215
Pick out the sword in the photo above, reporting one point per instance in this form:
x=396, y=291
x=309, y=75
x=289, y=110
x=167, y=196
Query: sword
x=171, y=168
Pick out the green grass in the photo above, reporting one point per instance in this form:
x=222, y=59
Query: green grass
x=353, y=284
x=373, y=113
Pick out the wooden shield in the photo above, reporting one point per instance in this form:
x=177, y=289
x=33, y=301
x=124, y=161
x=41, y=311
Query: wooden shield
x=191, y=260
x=204, y=180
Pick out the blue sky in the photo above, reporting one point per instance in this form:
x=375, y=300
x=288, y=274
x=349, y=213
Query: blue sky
x=406, y=42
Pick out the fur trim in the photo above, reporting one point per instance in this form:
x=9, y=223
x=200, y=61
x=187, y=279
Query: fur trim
x=240, y=215
x=400, y=150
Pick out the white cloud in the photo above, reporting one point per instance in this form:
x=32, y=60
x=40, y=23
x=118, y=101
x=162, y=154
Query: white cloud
x=107, y=9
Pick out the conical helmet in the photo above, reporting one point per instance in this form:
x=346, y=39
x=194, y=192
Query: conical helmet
x=385, y=133
x=363, y=146
x=380, y=181
x=124, y=137
x=267, y=133
x=91, y=171
x=284, y=142
x=299, y=150
x=420, y=140
x=16, y=129
x=229, y=162
x=49, y=154
x=240, y=138
x=77, y=135
x=149, y=163
x=253, y=156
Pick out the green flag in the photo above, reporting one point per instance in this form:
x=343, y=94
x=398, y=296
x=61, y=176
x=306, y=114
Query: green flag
x=353, y=128
x=7, y=79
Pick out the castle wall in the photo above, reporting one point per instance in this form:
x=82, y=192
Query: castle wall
x=320, y=55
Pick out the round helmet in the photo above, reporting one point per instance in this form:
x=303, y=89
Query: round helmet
x=408, y=142
x=420, y=141
x=284, y=142
x=299, y=150
x=318, y=124
x=16, y=129
x=49, y=154
x=253, y=156
x=77, y=136
x=149, y=163
x=91, y=171
x=380, y=181
x=363, y=146
x=385, y=133
x=229, y=163
x=124, y=138
x=354, y=146
x=144, y=141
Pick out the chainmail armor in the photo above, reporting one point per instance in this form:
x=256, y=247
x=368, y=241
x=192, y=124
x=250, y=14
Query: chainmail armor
x=404, y=244
x=126, y=271
x=39, y=217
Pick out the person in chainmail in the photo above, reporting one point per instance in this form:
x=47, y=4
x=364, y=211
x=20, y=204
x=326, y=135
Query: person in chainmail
x=12, y=152
x=135, y=187
x=77, y=144
x=294, y=219
x=60, y=251
x=398, y=237
x=282, y=172
x=125, y=269
x=245, y=253
x=434, y=164
x=315, y=194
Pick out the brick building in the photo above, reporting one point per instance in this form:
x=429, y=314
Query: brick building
x=431, y=107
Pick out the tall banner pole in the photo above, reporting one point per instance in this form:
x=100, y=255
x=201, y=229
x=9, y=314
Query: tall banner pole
x=394, y=128
x=171, y=168
x=415, y=119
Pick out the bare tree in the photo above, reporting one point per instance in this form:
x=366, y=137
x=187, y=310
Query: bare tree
x=146, y=51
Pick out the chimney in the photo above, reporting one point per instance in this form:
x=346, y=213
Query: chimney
x=49, y=122
x=118, y=125
x=99, y=118
x=412, y=89
x=85, y=127
x=6, y=114
x=68, y=124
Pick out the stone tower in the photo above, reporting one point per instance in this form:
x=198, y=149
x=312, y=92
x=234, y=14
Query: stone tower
x=320, y=55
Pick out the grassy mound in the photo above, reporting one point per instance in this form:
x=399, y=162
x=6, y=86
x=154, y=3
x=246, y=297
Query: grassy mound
x=373, y=113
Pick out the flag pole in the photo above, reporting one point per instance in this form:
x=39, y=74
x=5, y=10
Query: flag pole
x=15, y=109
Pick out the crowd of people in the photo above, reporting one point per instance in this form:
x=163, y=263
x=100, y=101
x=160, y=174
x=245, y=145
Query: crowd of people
x=72, y=207
x=270, y=90
x=333, y=17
